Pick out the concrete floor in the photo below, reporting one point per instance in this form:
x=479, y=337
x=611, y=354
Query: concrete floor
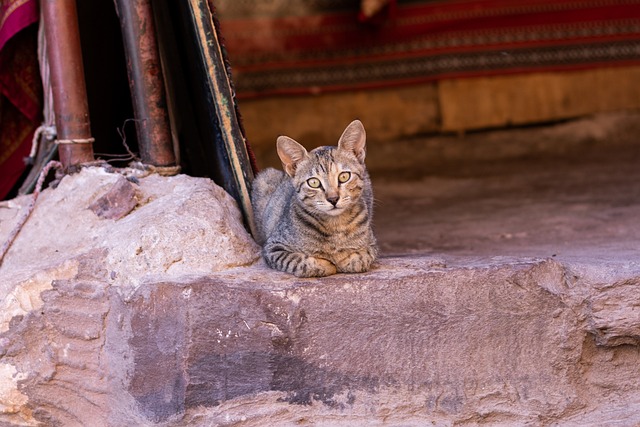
x=570, y=192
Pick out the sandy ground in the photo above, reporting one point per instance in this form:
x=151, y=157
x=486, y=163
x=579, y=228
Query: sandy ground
x=570, y=192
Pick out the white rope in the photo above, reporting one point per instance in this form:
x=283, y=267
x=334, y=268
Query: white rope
x=48, y=127
x=46, y=131
x=75, y=141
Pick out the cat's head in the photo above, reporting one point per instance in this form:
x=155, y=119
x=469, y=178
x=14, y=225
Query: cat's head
x=327, y=179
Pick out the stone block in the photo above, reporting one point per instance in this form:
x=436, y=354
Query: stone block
x=477, y=344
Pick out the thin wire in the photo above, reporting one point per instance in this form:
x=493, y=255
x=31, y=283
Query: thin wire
x=123, y=136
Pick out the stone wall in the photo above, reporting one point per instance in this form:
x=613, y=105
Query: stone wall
x=447, y=106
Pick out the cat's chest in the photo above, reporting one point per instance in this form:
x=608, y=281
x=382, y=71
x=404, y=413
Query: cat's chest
x=350, y=230
x=345, y=234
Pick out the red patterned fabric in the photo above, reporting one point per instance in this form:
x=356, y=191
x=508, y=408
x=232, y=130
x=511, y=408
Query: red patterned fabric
x=320, y=45
x=14, y=16
x=20, y=88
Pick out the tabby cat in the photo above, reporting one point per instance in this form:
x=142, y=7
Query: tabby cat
x=315, y=219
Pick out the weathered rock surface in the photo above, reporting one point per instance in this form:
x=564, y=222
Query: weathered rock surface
x=126, y=303
x=412, y=342
x=179, y=225
x=96, y=235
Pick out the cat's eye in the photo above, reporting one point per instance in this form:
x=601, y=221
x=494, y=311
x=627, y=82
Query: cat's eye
x=344, y=177
x=313, y=182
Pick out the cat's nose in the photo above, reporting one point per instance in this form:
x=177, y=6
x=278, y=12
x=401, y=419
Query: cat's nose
x=333, y=200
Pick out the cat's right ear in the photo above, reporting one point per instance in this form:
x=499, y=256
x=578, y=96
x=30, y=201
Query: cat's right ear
x=291, y=154
x=354, y=139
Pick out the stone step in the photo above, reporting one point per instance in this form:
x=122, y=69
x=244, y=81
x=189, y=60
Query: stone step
x=506, y=343
x=416, y=340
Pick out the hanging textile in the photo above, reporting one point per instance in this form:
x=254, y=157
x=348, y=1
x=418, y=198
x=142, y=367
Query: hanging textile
x=291, y=47
x=20, y=88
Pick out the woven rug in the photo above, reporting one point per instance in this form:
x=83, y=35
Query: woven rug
x=298, y=47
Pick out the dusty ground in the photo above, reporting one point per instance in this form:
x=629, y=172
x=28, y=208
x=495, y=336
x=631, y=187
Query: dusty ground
x=506, y=295
x=569, y=192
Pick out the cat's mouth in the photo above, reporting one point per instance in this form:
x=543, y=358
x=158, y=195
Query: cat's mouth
x=333, y=209
x=330, y=208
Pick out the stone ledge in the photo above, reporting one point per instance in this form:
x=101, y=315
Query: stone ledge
x=503, y=343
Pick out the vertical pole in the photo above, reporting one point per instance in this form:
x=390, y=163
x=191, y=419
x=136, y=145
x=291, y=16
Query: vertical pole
x=75, y=144
x=221, y=96
x=146, y=82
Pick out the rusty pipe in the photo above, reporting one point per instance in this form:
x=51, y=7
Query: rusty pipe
x=146, y=82
x=71, y=108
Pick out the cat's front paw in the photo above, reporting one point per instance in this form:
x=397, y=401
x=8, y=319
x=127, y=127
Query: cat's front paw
x=315, y=267
x=280, y=258
x=357, y=262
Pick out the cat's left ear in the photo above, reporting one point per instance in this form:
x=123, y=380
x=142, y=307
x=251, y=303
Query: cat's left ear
x=291, y=153
x=354, y=139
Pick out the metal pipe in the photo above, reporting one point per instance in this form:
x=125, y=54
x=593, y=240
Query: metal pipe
x=75, y=144
x=146, y=82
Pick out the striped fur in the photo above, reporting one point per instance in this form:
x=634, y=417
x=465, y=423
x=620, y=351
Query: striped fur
x=314, y=219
